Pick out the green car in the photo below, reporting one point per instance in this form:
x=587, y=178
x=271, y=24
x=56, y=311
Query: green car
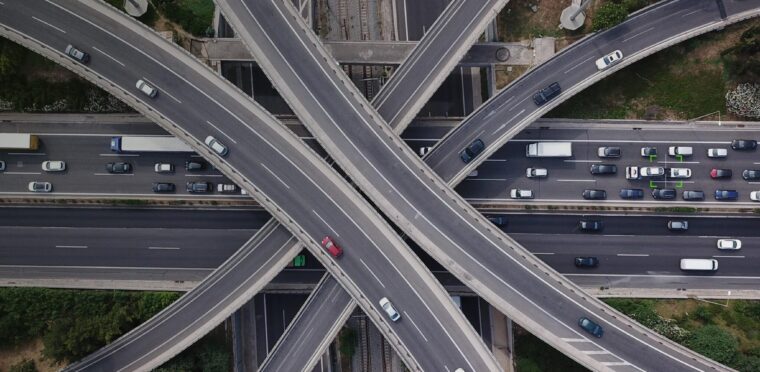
x=299, y=261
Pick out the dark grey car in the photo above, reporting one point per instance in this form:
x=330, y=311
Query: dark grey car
x=593, y=194
x=547, y=94
x=603, y=169
x=663, y=194
x=693, y=195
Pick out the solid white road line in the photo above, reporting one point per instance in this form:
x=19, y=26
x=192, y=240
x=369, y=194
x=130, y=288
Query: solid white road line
x=564, y=180
x=639, y=34
x=163, y=91
x=204, y=175
x=275, y=176
x=579, y=64
x=221, y=131
x=28, y=153
x=509, y=121
x=582, y=161
x=167, y=248
x=109, y=56
x=71, y=246
x=21, y=173
x=371, y=272
x=543, y=253
x=48, y=24
x=326, y=224
x=119, y=155
x=485, y=179
x=517, y=104
x=632, y=255
x=415, y=325
x=113, y=174
x=728, y=256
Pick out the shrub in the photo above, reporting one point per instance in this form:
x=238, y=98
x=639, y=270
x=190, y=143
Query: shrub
x=715, y=343
x=347, y=342
x=609, y=15
x=195, y=16
x=25, y=365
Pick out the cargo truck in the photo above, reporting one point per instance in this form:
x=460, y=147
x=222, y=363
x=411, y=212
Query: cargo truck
x=19, y=141
x=148, y=144
x=549, y=150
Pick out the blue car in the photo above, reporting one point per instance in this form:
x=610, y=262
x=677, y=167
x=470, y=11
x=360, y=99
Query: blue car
x=631, y=193
x=726, y=195
x=589, y=326
x=473, y=150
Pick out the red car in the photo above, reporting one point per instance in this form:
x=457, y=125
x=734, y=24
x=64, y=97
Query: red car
x=331, y=247
x=720, y=173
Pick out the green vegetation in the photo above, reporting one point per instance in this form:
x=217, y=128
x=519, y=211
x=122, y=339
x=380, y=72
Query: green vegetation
x=195, y=16
x=730, y=334
x=25, y=365
x=149, y=18
x=31, y=83
x=347, y=341
x=533, y=355
x=741, y=62
x=210, y=354
x=676, y=209
x=73, y=323
x=609, y=15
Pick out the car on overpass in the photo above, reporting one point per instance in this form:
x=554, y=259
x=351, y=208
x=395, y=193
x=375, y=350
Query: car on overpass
x=146, y=88
x=609, y=60
x=333, y=249
x=547, y=94
x=77, y=54
x=217, y=146
x=473, y=150
x=387, y=306
x=591, y=327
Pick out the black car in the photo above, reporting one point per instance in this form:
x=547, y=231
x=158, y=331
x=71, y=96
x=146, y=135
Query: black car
x=603, y=169
x=742, y=144
x=751, y=174
x=593, y=194
x=591, y=225
x=163, y=187
x=194, y=166
x=664, y=194
x=586, y=262
x=499, y=221
x=631, y=193
x=591, y=327
x=473, y=150
x=609, y=152
x=118, y=168
x=198, y=186
x=693, y=195
x=726, y=195
x=648, y=151
x=546, y=94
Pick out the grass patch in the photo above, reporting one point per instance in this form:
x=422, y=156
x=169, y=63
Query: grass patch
x=194, y=16
x=533, y=355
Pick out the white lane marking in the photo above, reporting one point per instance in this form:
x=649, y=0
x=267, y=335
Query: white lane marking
x=415, y=325
x=71, y=246
x=372, y=272
x=754, y=183
x=275, y=176
x=675, y=162
x=118, y=154
x=221, y=131
x=543, y=253
x=517, y=104
x=21, y=173
x=568, y=180
x=28, y=153
x=509, y=121
x=690, y=13
x=109, y=56
x=728, y=256
x=2, y=3
x=618, y=141
x=582, y=161
x=48, y=24
x=501, y=160
x=485, y=179
x=165, y=248
x=639, y=34
x=204, y=175
x=113, y=174
x=163, y=91
x=326, y=224
x=579, y=64
x=632, y=255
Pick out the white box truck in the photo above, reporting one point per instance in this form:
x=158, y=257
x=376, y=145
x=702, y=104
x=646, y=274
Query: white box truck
x=549, y=150
x=18, y=141
x=148, y=144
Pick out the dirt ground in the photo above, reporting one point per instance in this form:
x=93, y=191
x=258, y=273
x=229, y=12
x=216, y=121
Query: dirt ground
x=32, y=350
x=504, y=76
x=181, y=36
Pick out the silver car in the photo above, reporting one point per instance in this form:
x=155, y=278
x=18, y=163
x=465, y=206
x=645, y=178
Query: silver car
x=37, y=186
x=146, y=88
x=217, y=146
x=389, y=309
x=717, y=153
x=53, y=166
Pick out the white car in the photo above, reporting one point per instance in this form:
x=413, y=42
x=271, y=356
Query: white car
x=729, y=244
x=389, y=309
x=37, y=186
x=717, y=153
x=608, y=60
x=680, y=150
x=217, y=146
x=632, y=173
x=473, y=174
x=163, y=167
x=521, y=194
x=536, y=172
x=53, y=166
x=680, y=173
x=651, y=171
x=2, y=165
x=424, y=150
x=754, y=196
x=226, y=187
x=146, y=88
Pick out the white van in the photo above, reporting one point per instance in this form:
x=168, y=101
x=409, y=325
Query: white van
x=699, y=264
x=680, y=150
